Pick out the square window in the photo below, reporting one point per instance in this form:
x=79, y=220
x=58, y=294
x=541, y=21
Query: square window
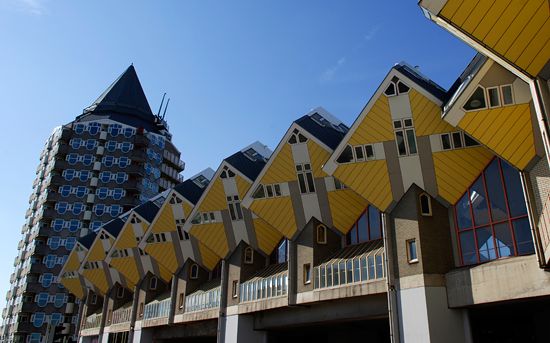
x=397, y=124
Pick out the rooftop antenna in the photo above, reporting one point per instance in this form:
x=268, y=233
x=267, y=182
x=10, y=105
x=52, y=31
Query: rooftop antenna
x=165, y=108
x=160, y=108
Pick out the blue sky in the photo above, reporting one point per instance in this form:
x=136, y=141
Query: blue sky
x=236, y=72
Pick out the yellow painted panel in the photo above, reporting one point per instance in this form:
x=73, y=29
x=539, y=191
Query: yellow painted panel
x=376, y=126
x=464, y=11
x=165, y=274
x=215, y=199
x=242, y=186
x=505, y=130
x=427, y=115
x=518, y=24
x=74, y=286
x=213, y=236
x=345, y=208
x=164, y=222
x=369, y=179
x=127, y=267
x=282, y=168
x=456, y=170
x=278, y=212
x=266, y=236
x=209, y=258
x=488, y=21
x=187, y=208
x=318, y=156
x=450, y=8
x=480, y=10
x=126, y=237
x=72, y=263
x=98, y=278
x=164, y=254
x=503, y=22
x=96, y=252
x=540, y=48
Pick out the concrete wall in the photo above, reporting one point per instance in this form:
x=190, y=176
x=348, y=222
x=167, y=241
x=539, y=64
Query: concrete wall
x=499, y=280
x=240, y=328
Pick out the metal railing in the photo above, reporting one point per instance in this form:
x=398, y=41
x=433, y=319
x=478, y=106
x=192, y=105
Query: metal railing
x=93, y=321
x=203, y=300
x=122, y=315
x=157, y=309
x=365, y=266
x=265, y=287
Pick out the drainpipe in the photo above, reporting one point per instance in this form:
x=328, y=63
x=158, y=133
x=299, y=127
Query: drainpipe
x=393, y=316
x=223, y=302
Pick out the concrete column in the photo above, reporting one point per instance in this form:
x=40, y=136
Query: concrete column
x=292, y=272
x=240, y=328
x=223, y=303
x=173, y=299
x=82, y=309
x=133, y=314
x=103, y=317
x=393, y=314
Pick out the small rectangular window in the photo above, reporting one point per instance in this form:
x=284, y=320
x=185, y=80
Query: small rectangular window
x=494, y=97
x=369, y=151
x=359, y=155
x=400, y=138
x=235, y=288
x=277, y=189
x=507, y=95
x=307, y=273
x=445, y=141
x=457, y=140
x=181, y=300
x=411, y=251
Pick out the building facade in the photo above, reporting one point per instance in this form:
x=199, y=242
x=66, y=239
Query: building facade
x=113, y=157
x=426, y=220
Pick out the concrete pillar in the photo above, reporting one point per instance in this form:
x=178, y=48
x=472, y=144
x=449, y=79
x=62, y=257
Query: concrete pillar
x=240, y=328
x=223, y=303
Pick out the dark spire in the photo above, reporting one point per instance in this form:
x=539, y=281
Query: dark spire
x=124, y=96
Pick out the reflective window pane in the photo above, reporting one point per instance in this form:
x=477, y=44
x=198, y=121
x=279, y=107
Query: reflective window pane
x=524, y=239
x=516, y=201
x=479, y=203
x=485, y=244
x=496, y=192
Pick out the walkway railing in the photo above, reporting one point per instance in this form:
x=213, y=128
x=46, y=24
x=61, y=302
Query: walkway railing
x=264, y=285
x=157, y=309
x=121, y=315
x=93, y=321
x=203, y=300
x=361, y=263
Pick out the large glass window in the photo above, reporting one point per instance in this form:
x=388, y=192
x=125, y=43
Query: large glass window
x=491, y=217
x=366, y=228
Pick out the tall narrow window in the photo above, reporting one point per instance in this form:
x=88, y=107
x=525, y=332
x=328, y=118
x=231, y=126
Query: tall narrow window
x=305, y=178
x=120, y=292
x=321, y=234
x=235, y=288
x=194, y=271
x=405, y=137
x=411, y=251
x=153, y=283
x=507, y=95
x=307, y=273
x=181, y=300
x=425, y=205
x=234, y=205
x=248, y=255
x=494, y=97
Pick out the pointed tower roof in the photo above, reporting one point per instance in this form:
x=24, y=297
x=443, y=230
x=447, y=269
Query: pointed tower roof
x=124, y=96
